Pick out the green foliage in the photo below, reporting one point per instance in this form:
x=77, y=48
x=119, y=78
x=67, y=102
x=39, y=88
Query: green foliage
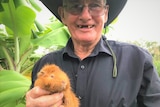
x=20, y=36
x=16, y=45
x=157, y=65
x=13, y=86
x=17, y=18
x=23, y=34
x=57, y=36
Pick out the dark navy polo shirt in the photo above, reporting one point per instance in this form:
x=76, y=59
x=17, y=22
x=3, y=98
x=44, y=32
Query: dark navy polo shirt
x=137, y=83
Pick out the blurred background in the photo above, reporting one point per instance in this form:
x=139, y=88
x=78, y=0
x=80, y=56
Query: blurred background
x=139, y=20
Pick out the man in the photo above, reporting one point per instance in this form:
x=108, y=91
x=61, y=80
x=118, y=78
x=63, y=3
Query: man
x=102, y=73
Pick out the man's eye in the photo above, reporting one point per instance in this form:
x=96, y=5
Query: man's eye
x=76, y=6
x=95, y=5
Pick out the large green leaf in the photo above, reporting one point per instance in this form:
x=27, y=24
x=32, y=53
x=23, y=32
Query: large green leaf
x=12, y=17
x=13, y=87
x=58, y=37
x=18, y=17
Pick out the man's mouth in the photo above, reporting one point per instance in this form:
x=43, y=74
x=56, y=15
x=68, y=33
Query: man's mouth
x=85, y=26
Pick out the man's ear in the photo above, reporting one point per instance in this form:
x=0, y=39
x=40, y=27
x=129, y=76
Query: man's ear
x=61, y=14
x=106, y=13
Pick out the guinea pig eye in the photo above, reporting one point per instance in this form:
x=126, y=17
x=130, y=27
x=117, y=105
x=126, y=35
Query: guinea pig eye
x=52, y=76
x=42, y=72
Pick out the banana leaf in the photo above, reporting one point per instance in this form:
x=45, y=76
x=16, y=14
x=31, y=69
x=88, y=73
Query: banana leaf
x=13, y=87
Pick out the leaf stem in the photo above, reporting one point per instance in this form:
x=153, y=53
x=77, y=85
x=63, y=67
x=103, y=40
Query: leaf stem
x=17, y=57
x=9, y=58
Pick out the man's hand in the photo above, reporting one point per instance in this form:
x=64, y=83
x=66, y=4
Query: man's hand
x=37, y=97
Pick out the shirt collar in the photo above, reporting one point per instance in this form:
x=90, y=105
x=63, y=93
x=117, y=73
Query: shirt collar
x=101, y=47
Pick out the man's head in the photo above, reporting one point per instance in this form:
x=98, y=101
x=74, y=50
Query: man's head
x=85, y=19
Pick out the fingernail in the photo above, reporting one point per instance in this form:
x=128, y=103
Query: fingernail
x=59, y=96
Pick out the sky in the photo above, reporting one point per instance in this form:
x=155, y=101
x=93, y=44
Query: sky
x=139, y=20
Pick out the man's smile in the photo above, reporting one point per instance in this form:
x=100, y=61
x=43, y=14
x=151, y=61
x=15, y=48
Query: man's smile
x=85, y=26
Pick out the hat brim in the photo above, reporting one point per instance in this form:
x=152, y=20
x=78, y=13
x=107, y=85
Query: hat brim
x=115, y=7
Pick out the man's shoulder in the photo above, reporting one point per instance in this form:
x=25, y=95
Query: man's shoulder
x=119, y=46
x=55, y=53
x=52, y=57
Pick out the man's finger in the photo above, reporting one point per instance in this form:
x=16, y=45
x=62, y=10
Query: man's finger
x=48, y=100
x=37, y=92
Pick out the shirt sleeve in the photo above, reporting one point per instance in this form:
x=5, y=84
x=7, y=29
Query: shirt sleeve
x=149, y=94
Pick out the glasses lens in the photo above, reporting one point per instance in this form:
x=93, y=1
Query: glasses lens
x=94, y=9
x=74, y=9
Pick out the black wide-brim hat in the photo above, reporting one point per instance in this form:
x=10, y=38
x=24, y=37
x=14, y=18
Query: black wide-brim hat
x=115, y=7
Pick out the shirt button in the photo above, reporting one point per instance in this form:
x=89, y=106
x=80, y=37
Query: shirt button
x=80, y=97
x=82, y=66
x=76, y=75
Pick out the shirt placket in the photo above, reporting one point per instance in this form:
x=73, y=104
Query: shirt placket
x=81, y=80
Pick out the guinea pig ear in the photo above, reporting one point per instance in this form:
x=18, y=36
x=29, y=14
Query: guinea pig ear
x=40, y=73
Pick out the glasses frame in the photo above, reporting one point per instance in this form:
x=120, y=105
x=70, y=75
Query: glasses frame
x=77, y=9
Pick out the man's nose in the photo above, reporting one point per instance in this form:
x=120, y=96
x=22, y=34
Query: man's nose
x=85, y=12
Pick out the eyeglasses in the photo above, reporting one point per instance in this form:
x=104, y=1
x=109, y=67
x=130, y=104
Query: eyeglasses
x=95, y=9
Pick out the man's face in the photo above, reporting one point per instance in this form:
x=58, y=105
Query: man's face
x=85, y=19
